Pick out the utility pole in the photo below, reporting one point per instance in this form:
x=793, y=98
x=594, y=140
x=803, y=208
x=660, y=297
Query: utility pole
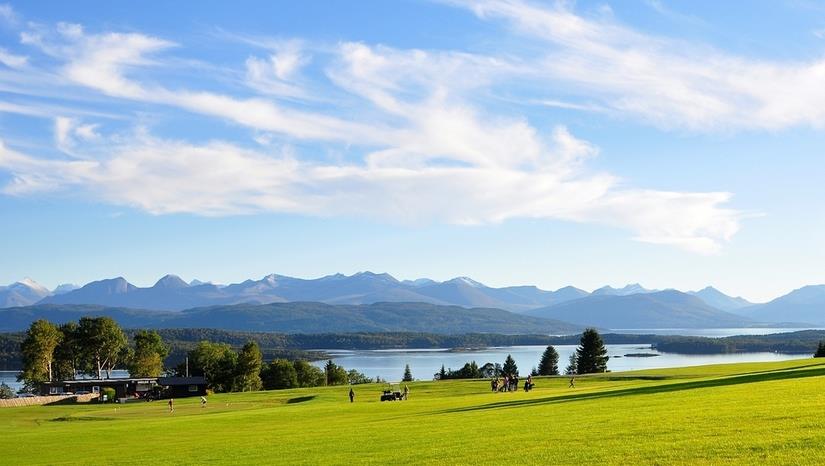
x=187, y=366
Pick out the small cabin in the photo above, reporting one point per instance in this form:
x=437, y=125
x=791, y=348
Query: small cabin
x=181, y=387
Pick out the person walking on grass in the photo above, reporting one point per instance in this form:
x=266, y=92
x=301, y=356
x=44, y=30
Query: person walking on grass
x=572, y=382
x=171, y=406
x=203, y=402
x=351, y=395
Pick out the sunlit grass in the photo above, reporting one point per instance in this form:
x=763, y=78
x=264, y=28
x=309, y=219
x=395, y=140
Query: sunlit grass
x=740, y=413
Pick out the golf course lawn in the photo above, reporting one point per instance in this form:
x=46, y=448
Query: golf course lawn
x=736, y=413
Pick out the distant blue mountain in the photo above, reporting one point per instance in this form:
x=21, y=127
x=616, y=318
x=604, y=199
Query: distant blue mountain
x=806, y=304
x=719, y=300
x=661, y=309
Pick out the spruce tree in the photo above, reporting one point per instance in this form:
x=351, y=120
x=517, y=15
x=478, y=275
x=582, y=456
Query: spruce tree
x=591, y=356
x=572, y=365
x=820, y=350
x=407, y=374
x=510, y=368
x=549, y=364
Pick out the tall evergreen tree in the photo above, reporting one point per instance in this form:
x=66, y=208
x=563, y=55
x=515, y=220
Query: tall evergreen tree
x=407, y=374
x=549, y=364
x=510, y=368
x=249, y=368
x=442, y=373
x=591, y=355
x=37, y=350
x=147, y=358
x=820, y=350
x=572, y=365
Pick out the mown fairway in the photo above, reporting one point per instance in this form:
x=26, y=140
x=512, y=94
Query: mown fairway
x=742, y=413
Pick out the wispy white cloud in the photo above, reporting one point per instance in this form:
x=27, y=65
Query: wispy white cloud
x=11, y=60
x=664, y=81
x=425, y=145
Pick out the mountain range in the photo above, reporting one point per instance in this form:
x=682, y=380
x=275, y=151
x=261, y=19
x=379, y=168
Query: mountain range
x=173, y=293
x=632, y=306
x=806, y=304
x=660, y=309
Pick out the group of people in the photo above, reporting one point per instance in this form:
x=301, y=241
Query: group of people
x=510, y=383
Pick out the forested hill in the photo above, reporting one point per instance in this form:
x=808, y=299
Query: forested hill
x=302, y=317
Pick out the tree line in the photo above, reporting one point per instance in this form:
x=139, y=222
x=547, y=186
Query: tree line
x=95, y=346
x=590, y=357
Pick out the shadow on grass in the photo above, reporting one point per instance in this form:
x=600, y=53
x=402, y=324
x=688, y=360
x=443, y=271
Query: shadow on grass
x=81, y=418
x=300, y=399
x=764, y=376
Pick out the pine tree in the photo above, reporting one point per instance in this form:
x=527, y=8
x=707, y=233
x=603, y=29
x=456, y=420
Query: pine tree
x=591, y=356
x=820, y=350
x=510, y=368
x=572, y=365
x=549, y=364
x=442, y=373
x=407, y=374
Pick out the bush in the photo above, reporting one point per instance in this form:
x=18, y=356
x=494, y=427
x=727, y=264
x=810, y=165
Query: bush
x=6, y=392
x=109, y=393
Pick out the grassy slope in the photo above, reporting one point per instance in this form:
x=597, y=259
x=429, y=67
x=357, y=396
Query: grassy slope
x=742, y=413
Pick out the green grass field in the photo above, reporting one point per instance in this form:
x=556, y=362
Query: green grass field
x=738, y=413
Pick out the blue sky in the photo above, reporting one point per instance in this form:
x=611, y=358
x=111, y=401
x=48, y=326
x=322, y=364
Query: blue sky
x=675, y=144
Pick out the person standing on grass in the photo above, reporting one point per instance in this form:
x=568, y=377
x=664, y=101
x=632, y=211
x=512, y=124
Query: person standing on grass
x=572, y=382
x=351, y=395
x=171, y=406
x=406, y=391
x=203, y=402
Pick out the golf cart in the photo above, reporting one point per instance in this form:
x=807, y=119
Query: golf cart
x=391, y=392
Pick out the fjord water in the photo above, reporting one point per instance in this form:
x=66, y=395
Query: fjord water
x=389, y=364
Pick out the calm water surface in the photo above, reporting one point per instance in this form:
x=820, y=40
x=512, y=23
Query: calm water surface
x=389, y=364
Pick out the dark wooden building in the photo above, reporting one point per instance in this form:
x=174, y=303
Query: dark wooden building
x=124, y=388
x=131, y=388
x=180, y=387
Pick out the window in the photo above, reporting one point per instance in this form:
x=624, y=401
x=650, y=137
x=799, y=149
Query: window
x=193, y=388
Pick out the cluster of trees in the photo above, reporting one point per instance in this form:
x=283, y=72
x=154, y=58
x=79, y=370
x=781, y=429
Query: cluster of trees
x=282, y=373
x=590, y=357
x=471, y=370
x=225, y=369
x=92, y=346
x=96, y=345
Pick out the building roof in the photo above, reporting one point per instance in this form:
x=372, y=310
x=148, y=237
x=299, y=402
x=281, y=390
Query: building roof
x=168, y=381
x=102, y=381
